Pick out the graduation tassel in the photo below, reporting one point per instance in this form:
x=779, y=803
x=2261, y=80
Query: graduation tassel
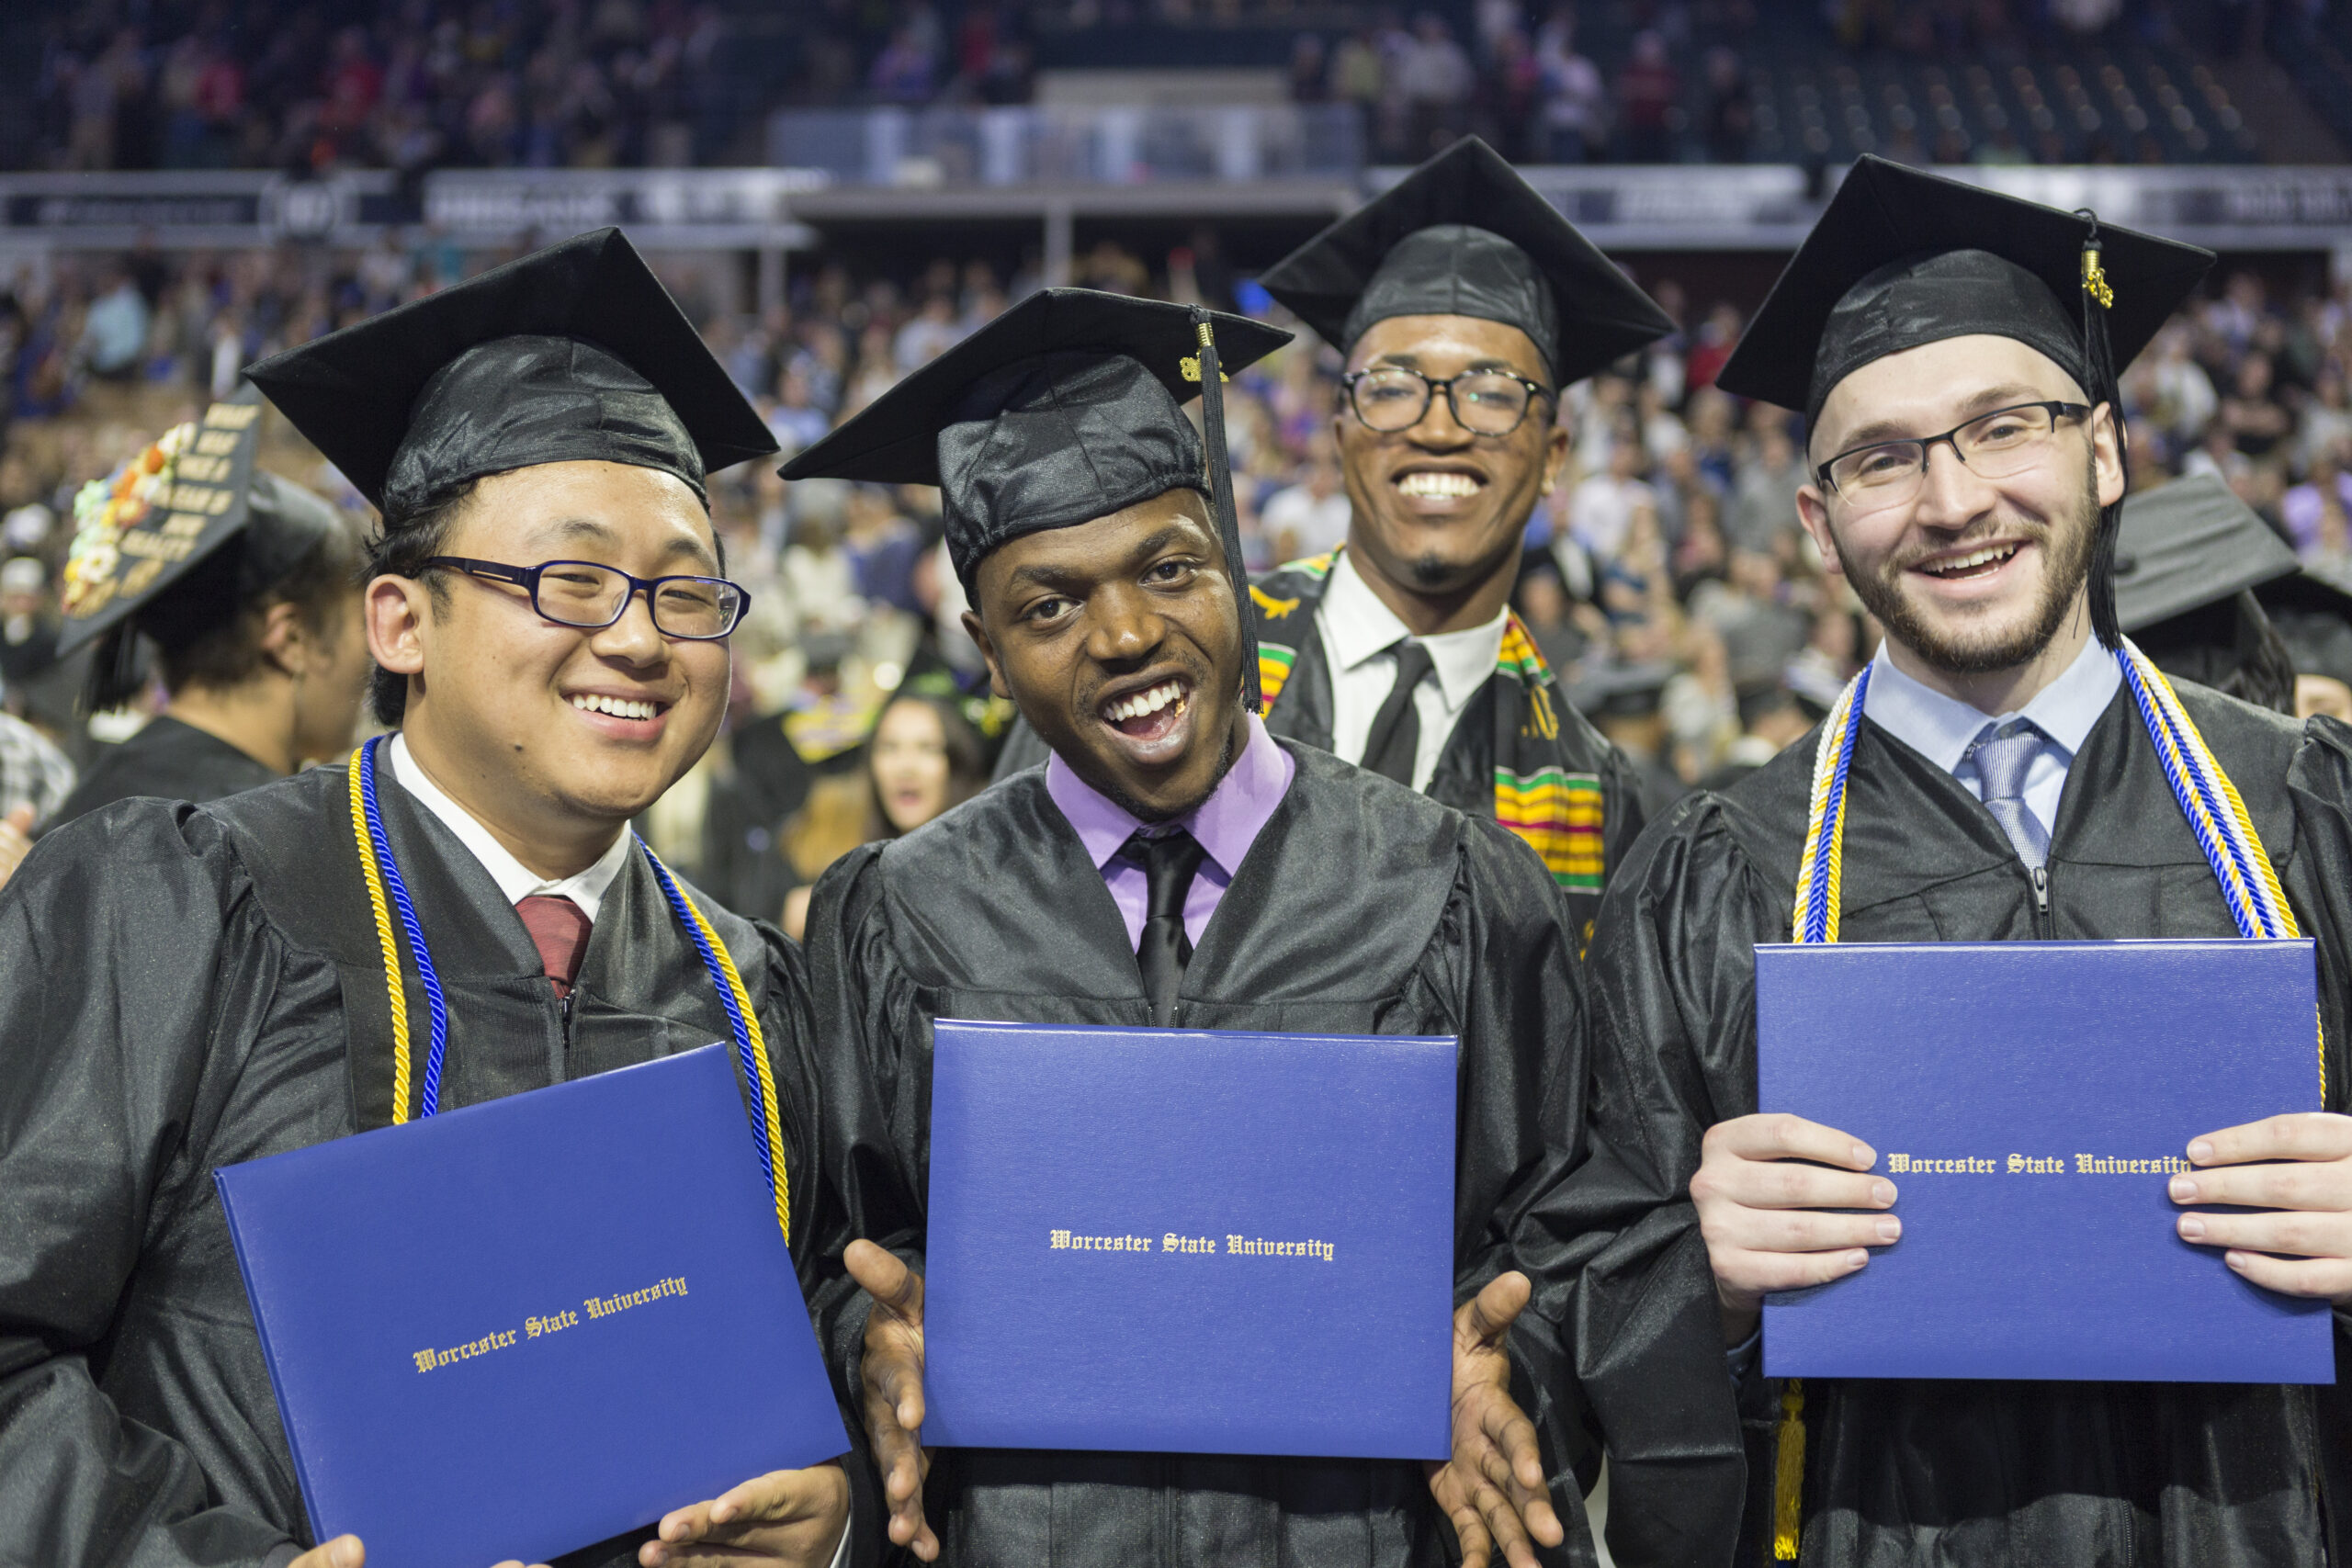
x=2100, y=360
x=1788, y=1474
x=1228, y=522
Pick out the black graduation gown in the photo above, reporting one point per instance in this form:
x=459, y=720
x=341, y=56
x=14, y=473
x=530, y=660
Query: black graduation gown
x=186, y=986
x=1943, y=1473
x=1361, y=907
x=166, y=758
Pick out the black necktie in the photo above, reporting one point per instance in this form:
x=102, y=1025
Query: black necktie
x=1396, y=738
x=1168, y=860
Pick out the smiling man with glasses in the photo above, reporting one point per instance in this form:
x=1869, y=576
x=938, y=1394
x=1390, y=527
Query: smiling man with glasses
x=187, y=987
x=1955, y=354
x=1465, y=304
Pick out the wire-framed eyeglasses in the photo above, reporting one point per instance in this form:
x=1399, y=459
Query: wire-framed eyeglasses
x=592, y=596
x=1389, y=398
x=1994, y=446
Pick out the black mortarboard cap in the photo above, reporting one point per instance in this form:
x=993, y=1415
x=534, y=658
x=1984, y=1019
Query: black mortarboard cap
x=187, y=532
x=1065, y=409
x=573, y=353
x=1621, y=691
x=1463, y=235
x=2191, y=543
x=2312, y=611
x=1900, y=259
x=2188, y=557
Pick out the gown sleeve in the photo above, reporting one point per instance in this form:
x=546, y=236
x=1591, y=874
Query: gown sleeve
x=1670, y=982
x=129, y=966
x=819, y=1231
x=869, y=1041
x=1519, y=1019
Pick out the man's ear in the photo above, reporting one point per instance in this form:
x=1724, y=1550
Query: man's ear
x=1813, y=511
x=979, y=635
x=2106, y=454
x=398, y=611
x=1555, y=453
x=285, y=641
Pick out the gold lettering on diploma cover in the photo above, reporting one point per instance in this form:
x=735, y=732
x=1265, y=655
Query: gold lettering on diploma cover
x=2035, y=1164
x=1235, y=1246
x=554, y=1323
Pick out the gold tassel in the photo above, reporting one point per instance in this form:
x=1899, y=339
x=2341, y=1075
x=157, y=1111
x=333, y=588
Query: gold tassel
x=1788, y=1480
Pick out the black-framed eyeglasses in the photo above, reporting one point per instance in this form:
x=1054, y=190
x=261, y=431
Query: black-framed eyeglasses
x=592, y=596
x=1389, y=398
x=1995, y=445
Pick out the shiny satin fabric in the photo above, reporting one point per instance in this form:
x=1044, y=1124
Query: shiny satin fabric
x=190, y=986
x=1911, y=1472
x=1361, y=907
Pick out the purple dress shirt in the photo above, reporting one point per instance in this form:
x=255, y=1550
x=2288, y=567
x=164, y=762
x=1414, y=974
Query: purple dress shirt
x=1226, y=825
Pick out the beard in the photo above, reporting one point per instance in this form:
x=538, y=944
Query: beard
x=2066, y=550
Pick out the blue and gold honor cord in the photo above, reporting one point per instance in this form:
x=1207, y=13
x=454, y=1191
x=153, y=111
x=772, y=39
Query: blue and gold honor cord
x=382, y=873
x=2216, y=815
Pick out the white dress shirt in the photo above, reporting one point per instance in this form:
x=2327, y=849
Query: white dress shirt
x=517, y=881
x=1360, y=638
x=1943, y=728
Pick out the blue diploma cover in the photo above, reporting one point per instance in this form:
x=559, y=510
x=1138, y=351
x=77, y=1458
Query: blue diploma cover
x=1188, y=1242
x=521, y=1327
x=2029, y=1100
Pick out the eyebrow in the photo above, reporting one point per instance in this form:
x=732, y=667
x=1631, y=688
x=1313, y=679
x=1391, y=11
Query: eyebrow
x=1405, y=359
x=2003, y=396
x=599, y=533
x=1064, y=580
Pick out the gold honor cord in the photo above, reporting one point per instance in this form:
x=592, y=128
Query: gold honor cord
x=2217, y=817
x=734, y=997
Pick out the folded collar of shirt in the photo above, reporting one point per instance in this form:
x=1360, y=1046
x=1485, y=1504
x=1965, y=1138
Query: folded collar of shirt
x=517, y=881
x=1362, y=629
x=1942, y=728
x=1226, y=824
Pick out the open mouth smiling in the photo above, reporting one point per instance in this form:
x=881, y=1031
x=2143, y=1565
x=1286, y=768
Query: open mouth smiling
x=1438, y=484
x=632, y=709
x=1981, y=562
x=1150, y=714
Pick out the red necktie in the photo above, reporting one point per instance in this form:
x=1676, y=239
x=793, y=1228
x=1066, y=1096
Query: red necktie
x=561, y=928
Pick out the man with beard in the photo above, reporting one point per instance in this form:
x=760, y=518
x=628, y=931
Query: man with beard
x=186, y=986
x=1173, y=864
x=1954, y=353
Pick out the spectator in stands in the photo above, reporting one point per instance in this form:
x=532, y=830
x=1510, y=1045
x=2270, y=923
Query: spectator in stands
x=933, y=330
x=28, y=622
x=1309, y=517
x=1575, y=106
x=795, y=419
x=1648, y=96
x=1434, y=78
x=1731, y=108
x=114, y=332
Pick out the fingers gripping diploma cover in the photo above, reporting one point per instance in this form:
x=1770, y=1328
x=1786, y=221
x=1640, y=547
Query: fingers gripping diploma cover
x=1189, y=1241
x=530, y=1325
x=2029, y=1101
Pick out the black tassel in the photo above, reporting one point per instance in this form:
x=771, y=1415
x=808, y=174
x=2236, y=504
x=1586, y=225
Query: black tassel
x=1228, y=522
x=2098, y=359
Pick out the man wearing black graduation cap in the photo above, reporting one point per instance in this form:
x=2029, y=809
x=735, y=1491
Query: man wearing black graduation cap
x=1173, y=863
x=1465, y=304
x=184, y=986
x=2189, y=556
x=246, y=587
x=1955, y=354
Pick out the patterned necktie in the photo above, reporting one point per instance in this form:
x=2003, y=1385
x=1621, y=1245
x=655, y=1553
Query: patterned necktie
x=2003, y=755
x=1168, y=860
x=1395, y=740
x=560, y=928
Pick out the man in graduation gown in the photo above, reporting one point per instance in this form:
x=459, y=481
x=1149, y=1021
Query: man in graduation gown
x=1464, y=304
x=1966, y=471
x=255, y=619
x=186, y=986
x=1172, y=864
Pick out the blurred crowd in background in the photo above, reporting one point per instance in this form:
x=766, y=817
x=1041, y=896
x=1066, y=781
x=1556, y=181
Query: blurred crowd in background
x=1667, y=579
x=315, y=85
